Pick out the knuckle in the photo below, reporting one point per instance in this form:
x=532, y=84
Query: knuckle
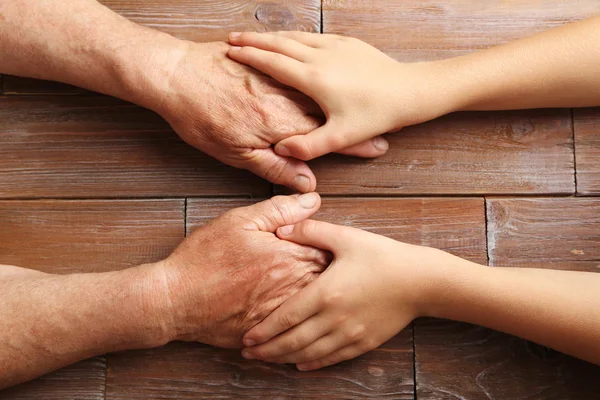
x=357, y=333
x=332, y=299
x=282, y=209
x=292, y=344
x=275, y=172
x=287, y=320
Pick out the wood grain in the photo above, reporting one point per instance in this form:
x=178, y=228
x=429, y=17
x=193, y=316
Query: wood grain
x=199, y=21
x=92, y=146
x=212, y=20
x=557, y=233
x=587, y=150
x=418, y=30
x=84, y=236
x=19, y=85
x=88, y=235
x=81, y=381
x=461, y=361
x=519, y=152
x=197, y=371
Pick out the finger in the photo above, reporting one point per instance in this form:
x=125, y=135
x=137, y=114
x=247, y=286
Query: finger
x=320, y=348
x=343, y=354
x=270, y=214
x=315, y=40
x=291, y=341
x=280, y=170
x=292, y=312
x=286, y=70
x=328, y=138
x=371, y=148
x=273, y=43
x=319, y=234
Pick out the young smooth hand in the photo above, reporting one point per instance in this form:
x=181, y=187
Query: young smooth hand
x=370, y=292
x=363, y=92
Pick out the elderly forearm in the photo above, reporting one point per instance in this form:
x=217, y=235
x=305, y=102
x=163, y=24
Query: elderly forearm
x=559, y=309
x=557, y=68
x=83, y=43
x=49, y=321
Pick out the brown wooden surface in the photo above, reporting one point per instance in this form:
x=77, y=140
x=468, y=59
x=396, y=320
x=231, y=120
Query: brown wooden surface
x=92, y=146
x=492, y=153
x=86, y=146
x=84, y=236
x=461, y=361
x=417, y=30
x=560, y=233
x=587, y=150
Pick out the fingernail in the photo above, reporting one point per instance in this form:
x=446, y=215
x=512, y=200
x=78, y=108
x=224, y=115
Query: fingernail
x=286, y=230
x=247, y=355
x=302, y=183
x=308, y=200
x=302, y=367
x=381, y=144
x=282, y=150
x=235, y=48
x=234, y=34
x=249, y=342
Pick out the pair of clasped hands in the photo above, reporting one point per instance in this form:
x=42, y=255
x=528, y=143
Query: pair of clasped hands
x=328, y=293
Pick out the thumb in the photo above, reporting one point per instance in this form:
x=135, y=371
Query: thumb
x=281, y=170
x=328, y=138
x=282, y=210
x=321, y=235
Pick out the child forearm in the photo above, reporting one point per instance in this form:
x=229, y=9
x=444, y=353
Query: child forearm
x=558, y=309
x=557, y=68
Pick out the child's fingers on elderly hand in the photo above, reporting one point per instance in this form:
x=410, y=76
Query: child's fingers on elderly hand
x=292, y=340
x=346, y=353
x=325, y=345
x=315, y=40
x=285, y=69
x=292, y=312
x=273, y=43
x=329, y=138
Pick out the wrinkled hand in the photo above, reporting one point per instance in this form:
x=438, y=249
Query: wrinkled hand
x=230, y=274
x=372, y=290
x=236, y=114
x=363, y=92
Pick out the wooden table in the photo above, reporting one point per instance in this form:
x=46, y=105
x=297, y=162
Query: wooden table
x=90, y=183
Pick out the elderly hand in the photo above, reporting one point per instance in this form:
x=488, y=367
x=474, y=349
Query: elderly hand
x=230, y=274
x=363, y=92
x=236, y=114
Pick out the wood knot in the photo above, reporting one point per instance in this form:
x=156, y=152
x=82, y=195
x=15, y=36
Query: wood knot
x=273, y=14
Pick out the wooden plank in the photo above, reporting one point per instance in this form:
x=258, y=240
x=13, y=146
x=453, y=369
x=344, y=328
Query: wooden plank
x=198, y=21
x=466, y=153
x=461, y=361
x=212, y=20
x=84, y=236
x=92, y=146
x=82, y=381
x=418, y=30
x=561, y=233
x=587, y=150
x=19, y=85
x=90, y=235
x=197, y=371
x=455, y=360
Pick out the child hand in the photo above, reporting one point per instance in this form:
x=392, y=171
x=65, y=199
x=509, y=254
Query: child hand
x=363, y=92
x=369, y=293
